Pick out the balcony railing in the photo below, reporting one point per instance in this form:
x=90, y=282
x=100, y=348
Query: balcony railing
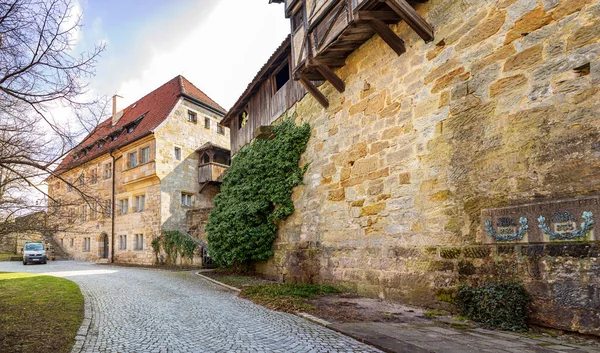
x=211, y=172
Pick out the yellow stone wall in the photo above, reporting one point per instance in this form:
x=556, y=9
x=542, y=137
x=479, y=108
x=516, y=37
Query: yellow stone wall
x=179, y=176
x=500, y=109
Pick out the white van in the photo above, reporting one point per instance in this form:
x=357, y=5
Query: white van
x=34, y=252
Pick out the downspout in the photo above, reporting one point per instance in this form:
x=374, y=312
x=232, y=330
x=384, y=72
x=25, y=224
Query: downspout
x=113, y=207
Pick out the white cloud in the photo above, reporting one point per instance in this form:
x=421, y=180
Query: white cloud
x=220, y=52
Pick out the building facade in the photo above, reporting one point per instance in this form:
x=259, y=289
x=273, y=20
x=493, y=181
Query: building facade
x=136, y=174
x=460, y=147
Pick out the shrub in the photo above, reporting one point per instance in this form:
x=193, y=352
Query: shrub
x=255, y=194
x=498, y=305
x=174, y=243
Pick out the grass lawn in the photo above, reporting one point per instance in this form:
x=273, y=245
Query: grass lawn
x=287, y=297
x=39, y=313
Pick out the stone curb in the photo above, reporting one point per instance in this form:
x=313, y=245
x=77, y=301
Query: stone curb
x=82, y=333
x=217, y=282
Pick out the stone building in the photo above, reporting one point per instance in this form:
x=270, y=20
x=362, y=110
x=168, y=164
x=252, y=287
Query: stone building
x=136, y=174
x=453, y=141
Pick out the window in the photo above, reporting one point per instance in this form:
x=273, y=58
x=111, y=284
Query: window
x=140, y=203
x=205, y=158
x=94, y=173
x=186, y=199
x=192, y=117
x=81, y=180
x=94, y=211
x=207, y=123
x=123, y=206
x=298, y=19
x=72, y=242
x=220, y=129
x=71, y=216
x=242, y=119
x=69, y=187
x=107, y=171
x=139, y=242
x=84, y=213
x=132, y=159
x=122, y=242
x=130, y=129
x=177, y=153
x=107, y=208
x=86, y=244
x=145, y=155
x=281, y=77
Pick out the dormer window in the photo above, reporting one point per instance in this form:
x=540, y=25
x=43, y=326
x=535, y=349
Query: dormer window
x=130, y=129
x=100, y=144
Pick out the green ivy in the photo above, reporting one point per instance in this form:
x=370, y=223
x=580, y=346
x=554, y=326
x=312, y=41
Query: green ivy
x=174, y=243
x=498, y=305
x=255, y=194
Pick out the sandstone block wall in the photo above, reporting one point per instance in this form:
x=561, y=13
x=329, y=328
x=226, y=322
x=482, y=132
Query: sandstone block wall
x=179, y=176
x=501, y=109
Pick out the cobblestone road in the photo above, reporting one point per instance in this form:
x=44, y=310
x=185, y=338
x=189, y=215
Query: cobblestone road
x=142, y=310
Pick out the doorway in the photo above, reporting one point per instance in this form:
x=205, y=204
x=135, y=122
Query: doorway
x=105, y=247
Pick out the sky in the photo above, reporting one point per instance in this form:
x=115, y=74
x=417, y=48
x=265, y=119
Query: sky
x=219, y=45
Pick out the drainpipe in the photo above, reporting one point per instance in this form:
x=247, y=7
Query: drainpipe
x=113, y=207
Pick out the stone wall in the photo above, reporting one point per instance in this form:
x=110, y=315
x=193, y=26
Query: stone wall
x=500, y=110
x=73, y=229
x=179, y=176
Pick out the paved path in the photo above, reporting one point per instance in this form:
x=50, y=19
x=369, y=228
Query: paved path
x=143, y=310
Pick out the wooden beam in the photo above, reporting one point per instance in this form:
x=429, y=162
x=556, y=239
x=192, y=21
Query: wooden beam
x=395, y=42
x=314, y=91
x=408, y=14
x=264, y=132
x=328, y=74
x=378, y=15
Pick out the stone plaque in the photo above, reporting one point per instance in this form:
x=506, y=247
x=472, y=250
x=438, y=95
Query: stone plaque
x=552, y=221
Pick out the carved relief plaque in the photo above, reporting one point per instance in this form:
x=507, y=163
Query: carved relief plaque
x=553, y=221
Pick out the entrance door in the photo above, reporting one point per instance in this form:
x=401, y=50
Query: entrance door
x=105, y=254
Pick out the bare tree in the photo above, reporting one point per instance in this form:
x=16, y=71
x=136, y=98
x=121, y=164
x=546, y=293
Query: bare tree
x=40, y=72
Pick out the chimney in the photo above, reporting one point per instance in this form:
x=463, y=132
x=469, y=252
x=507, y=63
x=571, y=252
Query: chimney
x=116, y=113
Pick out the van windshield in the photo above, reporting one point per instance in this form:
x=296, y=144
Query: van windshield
x=34, y=246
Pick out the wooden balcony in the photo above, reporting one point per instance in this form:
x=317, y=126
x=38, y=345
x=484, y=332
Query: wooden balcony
x=325, y=32
x=211, y=172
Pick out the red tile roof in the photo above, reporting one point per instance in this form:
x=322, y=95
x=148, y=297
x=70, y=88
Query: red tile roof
x=147, y=114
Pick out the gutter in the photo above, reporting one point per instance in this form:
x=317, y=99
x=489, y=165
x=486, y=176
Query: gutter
x=113, y=206
x=203, y=105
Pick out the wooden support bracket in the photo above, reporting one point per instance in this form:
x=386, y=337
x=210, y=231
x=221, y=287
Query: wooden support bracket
x=328, y=74
x=408, y=14
x=378, y=15
x=264, y=132
x=395, y=42
x=314, y=91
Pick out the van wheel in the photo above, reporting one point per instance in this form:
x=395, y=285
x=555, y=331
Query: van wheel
x=24, y=263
